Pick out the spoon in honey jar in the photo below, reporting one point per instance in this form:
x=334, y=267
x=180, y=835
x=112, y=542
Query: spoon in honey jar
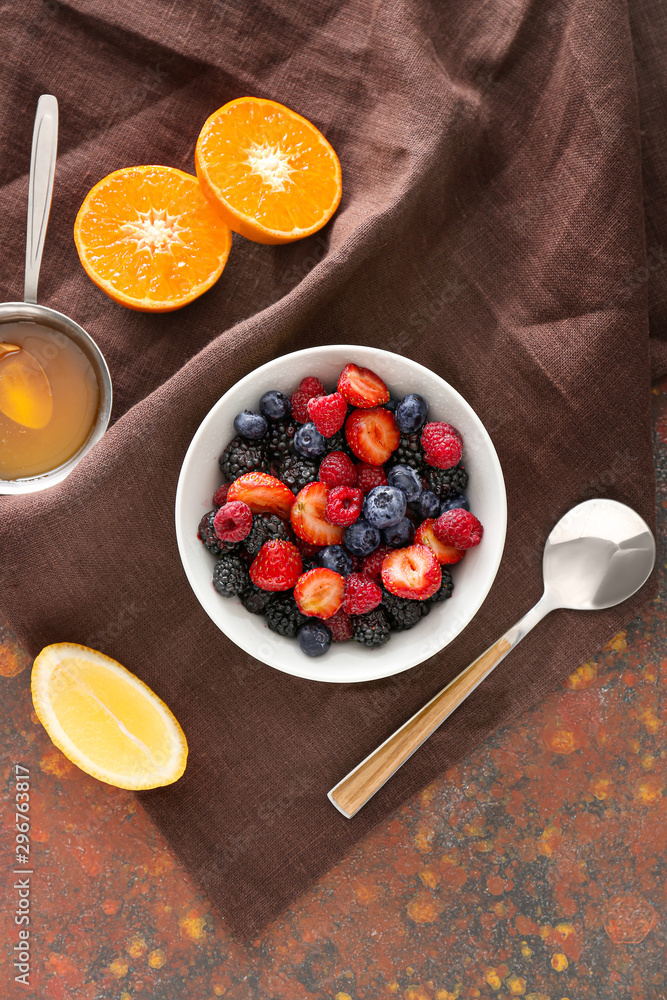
x=25, y=391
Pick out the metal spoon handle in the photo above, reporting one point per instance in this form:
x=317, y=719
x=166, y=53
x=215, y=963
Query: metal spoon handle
x=42, y=171
x=354, y=791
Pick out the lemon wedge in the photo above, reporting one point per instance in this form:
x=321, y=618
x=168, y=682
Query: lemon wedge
x=105, y=720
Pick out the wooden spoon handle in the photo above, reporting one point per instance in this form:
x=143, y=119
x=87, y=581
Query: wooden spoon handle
x=350, y=794
x=354, y=791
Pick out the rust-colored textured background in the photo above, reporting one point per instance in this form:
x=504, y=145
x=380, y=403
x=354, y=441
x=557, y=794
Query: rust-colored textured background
x=535, y=869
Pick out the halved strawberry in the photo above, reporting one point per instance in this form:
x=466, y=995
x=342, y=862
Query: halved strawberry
x=372, y=435
x=264, y=494
x=413, y=572
x=445, y=554
x=308, y=516
x=362, y=387
x=277, y=566
x=319, y=592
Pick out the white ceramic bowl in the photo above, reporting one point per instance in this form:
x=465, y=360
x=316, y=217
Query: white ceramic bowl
x=345, y=662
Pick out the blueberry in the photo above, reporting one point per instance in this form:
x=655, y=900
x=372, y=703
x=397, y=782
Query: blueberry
x=336, y=558
x=384, y=506
x=411, y=413
x=275, y=405
x=250, y=425
x=308, y=440
x=391, y=404
x=361, y=538
x=399, y=535
x=314, y=639
x=428, y=505
x=407, y=480
x=457, y=500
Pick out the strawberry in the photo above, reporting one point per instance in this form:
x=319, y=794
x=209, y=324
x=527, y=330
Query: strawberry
x=361, y=594
x=233, y=521
x=337, y=469
x=362, y=387
x=445, y=554
x=319, y=592
x=327, y=413
x=413, y=572
x=277, y=566
x=344, y=505
x=308, y=516
x=442, y=444
x=370, y=476
x=372, y=564
x=264, y=494
x=307, y=388
x=372, y=435
x=340, y=626
x=457, y=527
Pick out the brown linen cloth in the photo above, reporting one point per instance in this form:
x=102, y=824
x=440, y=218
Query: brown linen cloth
x=491, y=227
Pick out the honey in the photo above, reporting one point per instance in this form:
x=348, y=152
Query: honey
x=42, y=433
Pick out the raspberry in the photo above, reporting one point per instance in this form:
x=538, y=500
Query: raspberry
x=220, y=495
x=337, y=469
x=372, y=564
x=361, y=594
x=233, y=521
x=458, y=527
x=343, y=505
x=308, y=388
x=277, y=567
x=327, y=413
x=206, y=533
x=442, y=445
x=340, y=626
x=370, y=476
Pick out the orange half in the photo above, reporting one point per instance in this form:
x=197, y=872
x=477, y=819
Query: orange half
x=270, y=173
x=149, y=238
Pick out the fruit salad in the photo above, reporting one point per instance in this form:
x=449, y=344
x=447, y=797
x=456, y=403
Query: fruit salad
x=341, y=513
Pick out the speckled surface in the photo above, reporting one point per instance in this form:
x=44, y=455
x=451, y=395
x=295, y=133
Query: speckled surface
x=536, y=868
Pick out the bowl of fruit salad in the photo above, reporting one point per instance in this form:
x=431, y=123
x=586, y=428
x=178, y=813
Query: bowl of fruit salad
x=341, y=513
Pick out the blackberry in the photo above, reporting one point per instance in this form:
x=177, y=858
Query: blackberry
x=254, y=599
x=444, y=482
x=230, y=576
x=206, y=532
x=409, y=452
x=279, y=439
x=265, y=528
x=371, y=629
x=402, y=612
x=296, y=470
x=445, y=589
x=242, y=456
x=283, y=616
x=337, y=443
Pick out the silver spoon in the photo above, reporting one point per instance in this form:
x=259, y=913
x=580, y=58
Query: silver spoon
x=599, y=554
x=40, y=189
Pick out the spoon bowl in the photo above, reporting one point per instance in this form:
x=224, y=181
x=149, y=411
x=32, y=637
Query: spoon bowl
x=25, y=391
x=598, y=555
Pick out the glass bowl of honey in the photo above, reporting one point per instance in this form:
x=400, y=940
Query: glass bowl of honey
x=55, y=396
